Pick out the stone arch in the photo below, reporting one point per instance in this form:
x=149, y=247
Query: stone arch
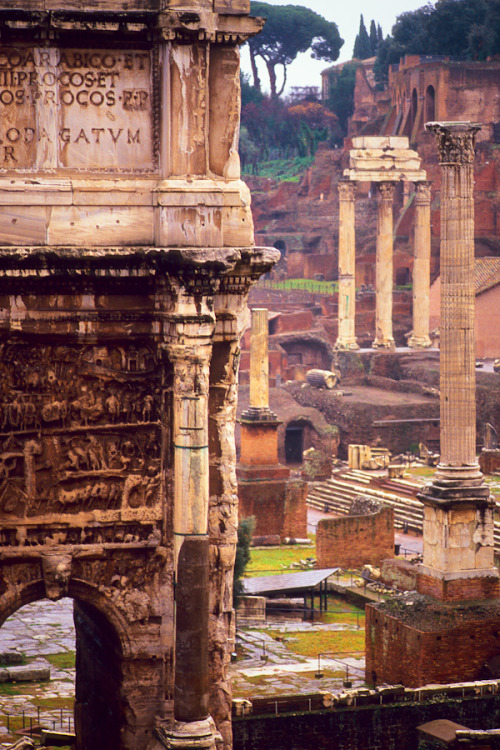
x=281, y=246
x=430, y=104
x=108, y=664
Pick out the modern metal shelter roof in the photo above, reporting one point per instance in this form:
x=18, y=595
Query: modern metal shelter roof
x=286, y=583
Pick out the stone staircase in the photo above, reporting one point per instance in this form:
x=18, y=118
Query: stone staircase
x=335, y=496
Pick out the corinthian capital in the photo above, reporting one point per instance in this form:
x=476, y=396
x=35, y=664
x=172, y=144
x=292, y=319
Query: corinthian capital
x=385, y=191
x=455, y=141
x=347, y=189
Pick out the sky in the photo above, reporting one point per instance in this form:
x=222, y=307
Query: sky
x=305, y=71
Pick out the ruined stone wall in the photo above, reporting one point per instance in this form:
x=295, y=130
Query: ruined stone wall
x=362, y=727
x=350, y=541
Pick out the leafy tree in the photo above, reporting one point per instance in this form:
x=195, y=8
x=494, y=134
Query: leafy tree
x=290, y=29
x=341, y=99
x=245, y=532
x=362, y=48
x=248, y=92
x=468, y=28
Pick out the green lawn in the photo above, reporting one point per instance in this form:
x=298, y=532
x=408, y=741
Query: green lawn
x=320, y=641
x=269, y=560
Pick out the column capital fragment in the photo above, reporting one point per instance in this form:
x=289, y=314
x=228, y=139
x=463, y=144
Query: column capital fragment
x=385, y=190
x=347, y=189
x=455, y=141
x=423, y=192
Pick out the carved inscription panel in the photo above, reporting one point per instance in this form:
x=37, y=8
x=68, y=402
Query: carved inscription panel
x=79, y=431
x=76, y=109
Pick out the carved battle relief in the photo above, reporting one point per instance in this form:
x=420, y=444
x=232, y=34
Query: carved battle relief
x=79, y=430
x=78, y=109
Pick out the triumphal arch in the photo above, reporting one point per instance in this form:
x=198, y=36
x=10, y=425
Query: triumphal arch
x=126, y=256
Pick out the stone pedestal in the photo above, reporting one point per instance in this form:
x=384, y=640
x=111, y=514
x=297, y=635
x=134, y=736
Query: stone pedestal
x=347, y=259
x=384, y=268
x=419, y=338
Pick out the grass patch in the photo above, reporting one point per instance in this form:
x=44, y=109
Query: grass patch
x=421, y=472
x=270, y=560
x=316, y=642
x=283, y=170
x=63, y=660
x=307, y=285
x=53, y=703
x=15, y=688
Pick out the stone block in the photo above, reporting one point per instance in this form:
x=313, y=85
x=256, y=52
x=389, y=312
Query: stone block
x=28, y=674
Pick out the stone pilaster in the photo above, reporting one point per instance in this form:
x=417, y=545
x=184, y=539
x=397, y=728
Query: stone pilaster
x=458, y=515
x=347, y=259
x=384, y=267
x=419, y=338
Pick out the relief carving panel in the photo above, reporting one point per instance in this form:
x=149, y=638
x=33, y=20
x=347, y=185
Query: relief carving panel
x=78, y=109
x=79, y=432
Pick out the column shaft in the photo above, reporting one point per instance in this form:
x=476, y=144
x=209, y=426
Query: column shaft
x=347, y=268
x=458, y=509
x=191, y=541
x=384, y=267
x=457, y=373
x=259, y=360
x=419, y=338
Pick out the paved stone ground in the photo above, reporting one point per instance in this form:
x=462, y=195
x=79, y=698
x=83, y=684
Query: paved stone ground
x=266, y=667
x=38, y=631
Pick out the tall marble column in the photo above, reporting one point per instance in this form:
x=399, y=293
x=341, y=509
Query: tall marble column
x=458, y=514
x=347, y=263
x=384, y=267
x=419, y=338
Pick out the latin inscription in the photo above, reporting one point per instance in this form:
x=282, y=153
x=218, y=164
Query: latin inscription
x=76, y=109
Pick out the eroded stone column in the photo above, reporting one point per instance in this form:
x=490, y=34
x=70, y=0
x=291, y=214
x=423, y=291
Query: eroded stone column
x=193, y=726
x=419, y=338
x=347, y=262
x=259, y=362
x=458, y=514
x=384, y=267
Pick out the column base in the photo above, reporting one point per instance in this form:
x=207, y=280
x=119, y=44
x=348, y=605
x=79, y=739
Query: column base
x=384, y=343
x=346, y=344
x=463, y=585
x=259, y=414
x=186, y=735
x=419, y=342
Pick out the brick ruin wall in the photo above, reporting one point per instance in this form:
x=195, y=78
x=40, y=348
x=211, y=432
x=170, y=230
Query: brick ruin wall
x=349, y=541
x=397, y=651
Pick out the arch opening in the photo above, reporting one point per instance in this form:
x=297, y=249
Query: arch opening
x=81, y=648
x=430, y=104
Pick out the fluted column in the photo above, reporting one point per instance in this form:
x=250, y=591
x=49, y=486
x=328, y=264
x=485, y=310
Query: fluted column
x=457, y=338
x=458, y=513
x=347, y=266
x=384, y=267
x=419, y=338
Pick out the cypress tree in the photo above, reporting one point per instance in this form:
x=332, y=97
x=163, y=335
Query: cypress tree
x=362, y=43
